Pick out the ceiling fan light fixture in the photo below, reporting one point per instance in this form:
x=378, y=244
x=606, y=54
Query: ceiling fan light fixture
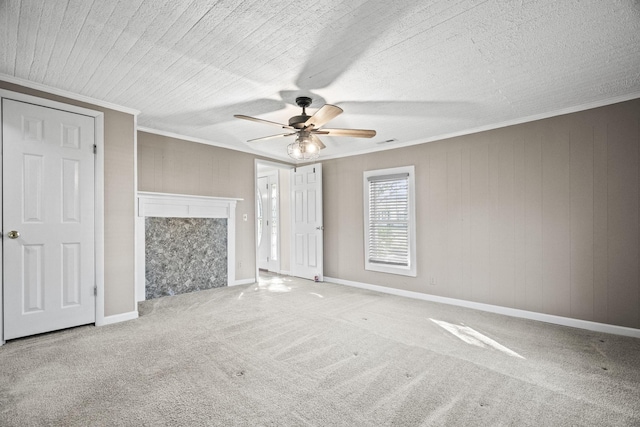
x=303, y=149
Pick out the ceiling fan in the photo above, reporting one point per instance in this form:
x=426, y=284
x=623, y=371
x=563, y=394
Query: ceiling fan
x=306, y=128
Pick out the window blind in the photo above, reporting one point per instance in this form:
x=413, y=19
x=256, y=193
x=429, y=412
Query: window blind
x=389, y=219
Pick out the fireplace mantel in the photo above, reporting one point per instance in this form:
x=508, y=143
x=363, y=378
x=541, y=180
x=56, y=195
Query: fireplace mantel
x=182, y=206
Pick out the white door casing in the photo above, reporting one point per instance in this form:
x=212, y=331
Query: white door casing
x=49, y=274
x=306, y=215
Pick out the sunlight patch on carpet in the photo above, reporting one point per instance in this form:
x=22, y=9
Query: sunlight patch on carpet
x=275, y=284
x=473, y=337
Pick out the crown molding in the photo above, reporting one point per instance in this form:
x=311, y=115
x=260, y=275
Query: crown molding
x=507, y=123
x=205, y=141
x=61, y=92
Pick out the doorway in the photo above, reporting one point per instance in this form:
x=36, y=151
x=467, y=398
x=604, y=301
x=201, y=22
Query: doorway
x=272, y=220
x=299, y=230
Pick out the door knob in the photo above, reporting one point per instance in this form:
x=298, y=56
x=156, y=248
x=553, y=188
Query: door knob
x=320, y=228
x=13, y=234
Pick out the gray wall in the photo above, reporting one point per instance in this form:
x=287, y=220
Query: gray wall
x=170, y=165
x=542, y=216
x=118, y=200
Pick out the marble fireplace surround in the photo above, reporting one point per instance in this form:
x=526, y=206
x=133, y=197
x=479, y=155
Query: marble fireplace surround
x=183, y=206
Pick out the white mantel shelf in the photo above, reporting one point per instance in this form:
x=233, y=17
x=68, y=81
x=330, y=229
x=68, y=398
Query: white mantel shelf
x=183, y=206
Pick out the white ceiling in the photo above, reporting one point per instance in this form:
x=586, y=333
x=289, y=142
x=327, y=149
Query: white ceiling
x=414, y=71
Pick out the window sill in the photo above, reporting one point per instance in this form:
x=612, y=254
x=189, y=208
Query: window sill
x=402, y=271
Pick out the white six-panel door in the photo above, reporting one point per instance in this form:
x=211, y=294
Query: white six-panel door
x=307, y=240
x=264, y=246
x=48, y=219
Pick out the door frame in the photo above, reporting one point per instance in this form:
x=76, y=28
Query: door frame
x=274, y=165
x=98, y=195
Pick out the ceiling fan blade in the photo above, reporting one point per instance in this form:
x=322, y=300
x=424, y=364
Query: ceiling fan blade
x=317, y=141
x=264, y=138
x=323, y=115
x=254, y=119
x=356, y=133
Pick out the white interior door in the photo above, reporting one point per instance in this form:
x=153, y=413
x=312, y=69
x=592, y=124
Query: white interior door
x=274, y=223
x=264, y=245
x=268, y=223
x=307, y=236
x=48, y=219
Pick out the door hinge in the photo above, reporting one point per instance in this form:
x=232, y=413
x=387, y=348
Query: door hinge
x=95, y=149
x=95, y=291
x=314, y=170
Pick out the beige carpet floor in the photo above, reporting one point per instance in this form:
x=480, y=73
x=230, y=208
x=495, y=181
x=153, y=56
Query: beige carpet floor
x=296, y=353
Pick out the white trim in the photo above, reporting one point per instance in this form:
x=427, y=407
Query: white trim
x=182, y=206
x=136, y=223
x=507, y=123
x=513, y=312
x=242, y=282
x=411, y=269
x=1, y=227
x=99, y=220
x=122, y=317
x=98, y=193
x=61, y=92
x=139, y=255
x=285, y=273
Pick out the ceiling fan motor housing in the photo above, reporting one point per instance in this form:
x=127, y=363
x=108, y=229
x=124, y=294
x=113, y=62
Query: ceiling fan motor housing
x=297, y=122
x=303, y=101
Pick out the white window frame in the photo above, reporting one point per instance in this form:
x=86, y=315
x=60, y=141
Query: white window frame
x=409, y=270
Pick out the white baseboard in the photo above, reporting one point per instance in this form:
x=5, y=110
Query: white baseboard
x=117, y=318
x=513, y=312
x=243, y=282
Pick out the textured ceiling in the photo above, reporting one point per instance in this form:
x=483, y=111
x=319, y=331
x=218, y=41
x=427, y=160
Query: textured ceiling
x=414, y=71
